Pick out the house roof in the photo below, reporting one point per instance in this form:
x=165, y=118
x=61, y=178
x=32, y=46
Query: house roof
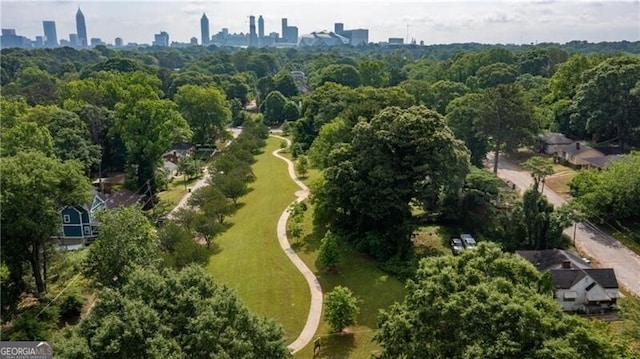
x=117, y=179
x=548, y=259
x=566, y=278
x=554, y=138
x=606, y=277
x=169, y=166
x=572, y=150
x=123, y=198
x=600, y=162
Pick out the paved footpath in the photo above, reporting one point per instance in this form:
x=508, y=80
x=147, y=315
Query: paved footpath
x=315, y=311
x=589, y=239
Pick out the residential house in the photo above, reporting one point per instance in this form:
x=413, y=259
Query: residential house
x=78, y=223
x=576, y=154
x=169, y=169
x=578, y=287
x=553, y=143
x=178, y=151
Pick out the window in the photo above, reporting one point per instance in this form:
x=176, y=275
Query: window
x=87, y=230
x=570, y=296
x=66, y=218
x=590, y=286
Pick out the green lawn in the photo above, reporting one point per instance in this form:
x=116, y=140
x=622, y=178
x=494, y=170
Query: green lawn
x=177, y=189
x=374, y=288
x=250, y=259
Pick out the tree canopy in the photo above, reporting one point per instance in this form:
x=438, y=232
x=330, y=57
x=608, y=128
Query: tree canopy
x=485, y=304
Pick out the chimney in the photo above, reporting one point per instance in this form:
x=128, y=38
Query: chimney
x=577, y=145
x=566, y=265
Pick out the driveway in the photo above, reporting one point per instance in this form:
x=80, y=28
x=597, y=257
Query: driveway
x=592, y=242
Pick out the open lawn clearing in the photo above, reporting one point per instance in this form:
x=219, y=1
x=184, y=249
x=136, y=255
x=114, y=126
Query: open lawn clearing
x=374, y=288
x=250, y=259
x=433, y=239
x=177, y=189
x=559, y=182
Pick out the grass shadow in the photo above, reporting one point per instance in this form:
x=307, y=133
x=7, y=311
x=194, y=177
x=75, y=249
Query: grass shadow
x=336, y=346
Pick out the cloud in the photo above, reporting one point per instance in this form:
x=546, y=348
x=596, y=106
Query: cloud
x=500, y=18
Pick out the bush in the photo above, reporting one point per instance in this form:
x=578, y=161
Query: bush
x=71, y=302
x=341, y=308
x=31, y=326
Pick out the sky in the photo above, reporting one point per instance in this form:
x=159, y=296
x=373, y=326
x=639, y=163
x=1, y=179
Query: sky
x=434, y=22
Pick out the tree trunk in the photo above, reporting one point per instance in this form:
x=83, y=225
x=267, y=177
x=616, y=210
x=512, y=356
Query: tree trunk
x=495, y=158
x=35, y=266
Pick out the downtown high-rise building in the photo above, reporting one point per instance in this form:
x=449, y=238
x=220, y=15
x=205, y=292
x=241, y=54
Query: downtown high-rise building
x=289, y=33
x=260, y=30
x=204, y=30
x=50, y=33
x=253, y=37
x=81, y=28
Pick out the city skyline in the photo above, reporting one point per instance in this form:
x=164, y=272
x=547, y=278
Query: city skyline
x=429, y=21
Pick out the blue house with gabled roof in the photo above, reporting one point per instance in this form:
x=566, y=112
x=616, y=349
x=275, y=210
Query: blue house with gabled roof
x=79, y=223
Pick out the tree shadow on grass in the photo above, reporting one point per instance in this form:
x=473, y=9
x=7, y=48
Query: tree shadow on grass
x=336, y=346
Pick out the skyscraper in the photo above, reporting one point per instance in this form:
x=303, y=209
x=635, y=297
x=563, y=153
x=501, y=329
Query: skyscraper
x=284, y=29
x=204, y=30
x=253, y=38
x=81, y=28
x=161, y=39
x=50, y=33
x=260, y=29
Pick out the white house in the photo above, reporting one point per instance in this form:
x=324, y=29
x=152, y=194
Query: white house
x=578, y=287
x=585, y=290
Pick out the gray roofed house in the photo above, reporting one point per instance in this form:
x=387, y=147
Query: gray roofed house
x=578, y=287
x=551, y=142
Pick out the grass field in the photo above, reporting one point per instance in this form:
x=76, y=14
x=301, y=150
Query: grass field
x=250, y=259
x=176, y=190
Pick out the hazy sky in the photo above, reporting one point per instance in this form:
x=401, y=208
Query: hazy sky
x=435, y=22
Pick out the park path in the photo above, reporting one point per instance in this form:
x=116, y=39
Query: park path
x=315, y=310
x=235, y=132
x=588, y=238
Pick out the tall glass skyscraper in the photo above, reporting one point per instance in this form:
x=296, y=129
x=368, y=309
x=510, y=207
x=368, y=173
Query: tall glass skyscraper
x=81, y=28
x=50, y=33
x=260, y=29
x=204, y=30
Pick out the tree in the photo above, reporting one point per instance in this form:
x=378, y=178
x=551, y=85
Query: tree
x=372, y=73
x=506, y=117
x=496, y=74
x=331, y=135
x=171, y=314
x=25, y=136
x=463, y=115
x=273, y=108
x=126, y=240
x=342, y=74
x=72, y=140
x=400, y=156
x=611, y=192
x=210, y=201
x=34, y=188
x=486, y=304
x=540, y=169
x=148, y=129
x=341, y=308
x=329, y=256
x=205, y=110
x=284, y=83
x=190, y=167
x=38, y=87
x=294, y=224
x=232, y=184
x=605, y=102
x=302, y=165
x=290, y=111
x=443, y=92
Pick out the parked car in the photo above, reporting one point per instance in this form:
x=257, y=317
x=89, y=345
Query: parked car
x=468, y=241
x=456, y=246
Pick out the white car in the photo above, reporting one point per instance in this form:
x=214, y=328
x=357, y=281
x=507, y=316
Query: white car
x=468, y=241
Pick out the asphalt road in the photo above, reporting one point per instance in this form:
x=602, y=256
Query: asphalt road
x=592, y=242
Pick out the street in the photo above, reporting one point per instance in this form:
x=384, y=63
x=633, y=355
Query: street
x=592, y=242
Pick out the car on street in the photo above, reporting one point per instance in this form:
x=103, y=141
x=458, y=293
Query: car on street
x=468, y=241
x=456, y=246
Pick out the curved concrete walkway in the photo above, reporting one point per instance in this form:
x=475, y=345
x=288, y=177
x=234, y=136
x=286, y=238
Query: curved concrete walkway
x=315, y=311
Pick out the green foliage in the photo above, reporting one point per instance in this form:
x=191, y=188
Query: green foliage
x=463, y=116
x=36, y=324
x=25, y=136
x=506, y=117
x=342, y=74
x=38, y=87
x=190, y=167
x=372, y=73
x=331, y=135
x=329, y=255
x=341, y=308
x=612, y=192
x=540, y=168
x=205, y=110
x=302, y=166
x=370, y=183
x=496, y=74
x=148, y=129
x=273, y=108
x=605, y=104
x=126, y=241
x=443, y=92
x=179, y=247
x=172, y=314
x=34, y=188
x=284, y=83
x=485, y=304
x=71, y=302
x=290, y=111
